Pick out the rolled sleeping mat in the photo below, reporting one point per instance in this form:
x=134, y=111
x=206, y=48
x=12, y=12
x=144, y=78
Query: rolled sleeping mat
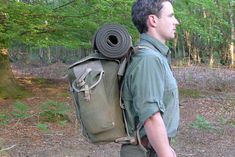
x=112, y=41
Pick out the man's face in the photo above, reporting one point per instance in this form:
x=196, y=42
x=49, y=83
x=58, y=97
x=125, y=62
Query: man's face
x=166, y=23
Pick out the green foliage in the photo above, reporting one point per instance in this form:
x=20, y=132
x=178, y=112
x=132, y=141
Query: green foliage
x=50, y=112
x=42, y=127
x=201, y=123
x=20, y=110
x=72, y=23
x=198, y=18
x=53, y=111
x=4, y=119
x=63, y=122
x=209, y=29
x=189, y=93
x=43, y=24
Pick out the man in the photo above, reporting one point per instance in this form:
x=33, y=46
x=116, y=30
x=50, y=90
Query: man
x=150, y=92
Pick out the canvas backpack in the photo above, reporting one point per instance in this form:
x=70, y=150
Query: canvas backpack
x=95, y=83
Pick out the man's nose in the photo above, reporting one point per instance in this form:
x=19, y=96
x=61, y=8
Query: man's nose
x=176, y=22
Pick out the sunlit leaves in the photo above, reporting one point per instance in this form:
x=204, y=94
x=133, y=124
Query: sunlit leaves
x=208, y=19
x=62, y=22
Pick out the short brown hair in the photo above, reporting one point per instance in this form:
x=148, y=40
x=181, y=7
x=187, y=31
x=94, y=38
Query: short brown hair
x=141, y=9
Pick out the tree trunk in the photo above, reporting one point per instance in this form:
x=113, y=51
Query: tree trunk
x=9, y=88
x=212, y=60
x=231, y=46
x=188, y=44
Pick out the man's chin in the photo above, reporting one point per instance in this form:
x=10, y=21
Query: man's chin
x=172, y=37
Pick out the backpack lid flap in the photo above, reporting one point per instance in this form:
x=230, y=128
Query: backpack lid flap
x=92, y=56
x=87, y=67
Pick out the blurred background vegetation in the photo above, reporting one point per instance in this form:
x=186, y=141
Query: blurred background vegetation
x=51, y=28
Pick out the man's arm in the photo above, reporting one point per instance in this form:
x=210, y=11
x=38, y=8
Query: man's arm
x=157, y=136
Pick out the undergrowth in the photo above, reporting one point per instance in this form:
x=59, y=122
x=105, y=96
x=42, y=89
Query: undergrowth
x=50, y=112
x=42, y=82
x=53, y=111
x=189, y=93
x=20, y=110
x=201, y=123
x=13, y=92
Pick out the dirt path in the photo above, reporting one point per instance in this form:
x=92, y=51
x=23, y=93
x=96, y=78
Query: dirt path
x=207, y=99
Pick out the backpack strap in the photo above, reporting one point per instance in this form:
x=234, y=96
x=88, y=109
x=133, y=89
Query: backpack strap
x=80, y=81
x=129, y=139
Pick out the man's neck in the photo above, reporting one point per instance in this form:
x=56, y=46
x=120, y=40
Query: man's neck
x=156, y=36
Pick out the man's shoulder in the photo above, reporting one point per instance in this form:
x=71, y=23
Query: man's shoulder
x=147, y=53
x=144, y=58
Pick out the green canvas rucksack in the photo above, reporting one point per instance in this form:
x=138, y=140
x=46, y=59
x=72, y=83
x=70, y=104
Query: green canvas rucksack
x=95, y=85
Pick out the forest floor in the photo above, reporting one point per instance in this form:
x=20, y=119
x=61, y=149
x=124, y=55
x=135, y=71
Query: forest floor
x=207, y=106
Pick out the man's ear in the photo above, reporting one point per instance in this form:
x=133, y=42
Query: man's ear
x=152, y=20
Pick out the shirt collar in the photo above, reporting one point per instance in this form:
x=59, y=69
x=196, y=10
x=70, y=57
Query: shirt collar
x=164, y=50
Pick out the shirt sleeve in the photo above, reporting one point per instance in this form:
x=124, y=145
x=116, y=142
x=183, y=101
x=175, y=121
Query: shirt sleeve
x=147, y=86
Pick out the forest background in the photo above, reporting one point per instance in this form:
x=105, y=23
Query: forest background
x=205, y=34
x=48, y=31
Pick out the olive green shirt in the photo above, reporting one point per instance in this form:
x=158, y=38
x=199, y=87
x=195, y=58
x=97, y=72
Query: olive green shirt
x=150, y=87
